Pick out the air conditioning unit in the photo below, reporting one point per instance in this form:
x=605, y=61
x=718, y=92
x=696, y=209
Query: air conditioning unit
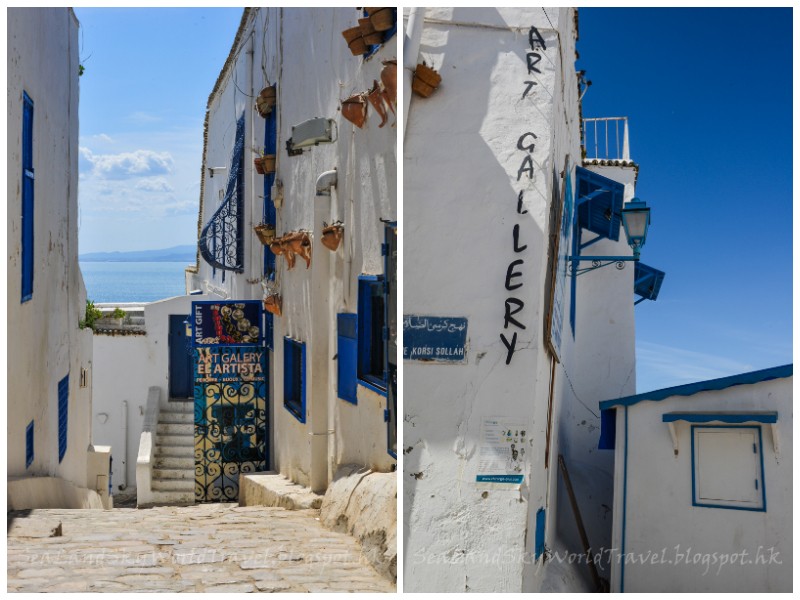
x=312, y=132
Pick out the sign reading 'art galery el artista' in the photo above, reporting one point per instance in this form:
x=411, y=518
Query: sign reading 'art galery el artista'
x=435, y=339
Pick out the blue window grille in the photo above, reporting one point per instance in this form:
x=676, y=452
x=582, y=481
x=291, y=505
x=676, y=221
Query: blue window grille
x=347, y=351
x=29, y=445
x=538, y=548
x=372, y=333
x=63, y=407
x=27, y=198
x=221, y=243
x=294, y=378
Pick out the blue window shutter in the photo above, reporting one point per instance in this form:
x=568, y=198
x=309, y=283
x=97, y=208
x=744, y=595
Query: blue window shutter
x=294, y=378
x=27, y=198
x=539, y=539
x=63, y=407
x=29, y=445
x=371, y=367
x=347, y=350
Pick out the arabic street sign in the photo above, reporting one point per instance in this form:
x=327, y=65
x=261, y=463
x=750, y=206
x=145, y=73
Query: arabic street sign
x=435, y=339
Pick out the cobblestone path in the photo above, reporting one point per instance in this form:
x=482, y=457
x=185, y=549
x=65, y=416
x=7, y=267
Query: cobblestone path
x=201, y=548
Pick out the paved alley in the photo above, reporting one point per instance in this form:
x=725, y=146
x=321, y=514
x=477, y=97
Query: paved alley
x=201, y=548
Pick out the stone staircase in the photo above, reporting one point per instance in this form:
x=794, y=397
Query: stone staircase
x=173, y=467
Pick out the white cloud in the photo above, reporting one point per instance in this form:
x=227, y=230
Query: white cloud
x=143, y=117
x=126, y=165
x=154, y=184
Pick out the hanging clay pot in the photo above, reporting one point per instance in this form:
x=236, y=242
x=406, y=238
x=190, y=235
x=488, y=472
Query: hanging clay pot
x=258, y=166
x=371, y=11
x=382, y=19
x=371, y=37
x=332, y=236
x=425, y=81
x=354, y=40
x=272, y=304
x=268, y=163
x=376, y=98
x=354, y=109
x=300, y=243
x=265, y=233
x=265, y=101
x=277, y=247
x=389, y=79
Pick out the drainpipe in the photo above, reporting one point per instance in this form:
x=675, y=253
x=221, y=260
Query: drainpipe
x=325, y=182
x=124, y=483
x=416, y=19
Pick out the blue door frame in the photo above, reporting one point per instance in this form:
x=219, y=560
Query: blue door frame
x=181, y=365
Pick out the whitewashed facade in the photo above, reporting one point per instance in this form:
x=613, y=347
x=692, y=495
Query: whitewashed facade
x=302, y=52
x=51, y=461
x=703, y=486
x=493, y=169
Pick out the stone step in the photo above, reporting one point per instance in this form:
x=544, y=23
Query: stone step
x=174, y=451
x=164, y=474
x=177, y=407
x=175, y=440
x=173, y=485
x=176, y=417
x=165, y=429
x=174, y=462
x=167, y=498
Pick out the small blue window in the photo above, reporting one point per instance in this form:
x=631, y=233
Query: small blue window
x=294, y=378
x=539, y=539
x=29, y=445
x=372, y=333
x=27, y=198
x=63, y=407
x=347, y=351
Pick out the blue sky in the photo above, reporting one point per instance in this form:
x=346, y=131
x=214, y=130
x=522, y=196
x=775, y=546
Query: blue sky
x=143, y=98
x=708, y=94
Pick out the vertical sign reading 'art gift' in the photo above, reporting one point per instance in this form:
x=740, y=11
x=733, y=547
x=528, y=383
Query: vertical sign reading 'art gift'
x=230, y=395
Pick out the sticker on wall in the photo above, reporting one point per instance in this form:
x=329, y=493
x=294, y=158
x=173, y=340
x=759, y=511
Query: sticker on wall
x=435, y=339
x=503, y=458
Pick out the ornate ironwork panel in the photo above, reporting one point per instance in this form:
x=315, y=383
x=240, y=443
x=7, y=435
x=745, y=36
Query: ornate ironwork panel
x=230, y=397
x=221, y=241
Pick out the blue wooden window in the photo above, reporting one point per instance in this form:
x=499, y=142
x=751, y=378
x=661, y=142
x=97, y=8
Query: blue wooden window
x=29, y=445
x=347, y=351
x=538, y=546
x=372, y=333
x=27, y=198
x=63, y=408
x=294, y=378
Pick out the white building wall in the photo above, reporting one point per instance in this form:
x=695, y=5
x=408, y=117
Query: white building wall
x=304, y=52
x=126, y=367
x=678, y=547
x=465, y=152
x=45, y=343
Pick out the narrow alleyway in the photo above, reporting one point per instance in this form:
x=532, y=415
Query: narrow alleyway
x=206, y=547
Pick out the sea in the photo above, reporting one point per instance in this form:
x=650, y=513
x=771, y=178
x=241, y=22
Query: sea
x=133, y=281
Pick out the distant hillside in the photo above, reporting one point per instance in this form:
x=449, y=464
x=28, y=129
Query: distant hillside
x=174, y=254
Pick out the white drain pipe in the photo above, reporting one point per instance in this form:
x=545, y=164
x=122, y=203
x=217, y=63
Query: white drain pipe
x=416, y=20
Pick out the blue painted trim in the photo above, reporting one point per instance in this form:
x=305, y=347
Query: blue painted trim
x=347, y=353
x=702, y=386
x=29, y=445
x=608, y=429
x=771, y=417
x=294, y=350
x=624, y=506
x=372, y=387
x=63, y=416
x=27, y=217
x=538, y=544
x=763, y=507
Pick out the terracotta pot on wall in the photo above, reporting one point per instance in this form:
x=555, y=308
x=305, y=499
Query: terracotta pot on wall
x=354, y=40
x=425, y=81
x=265, y=101
x=376, y=98
x=354, y=109
x=268, y=163
x=265, y=233
x=382, y=19
x=389, y=79
x=277, y=247
x=332, y=236
x=272, y=304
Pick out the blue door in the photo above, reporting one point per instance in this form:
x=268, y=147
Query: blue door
x=181, y=372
